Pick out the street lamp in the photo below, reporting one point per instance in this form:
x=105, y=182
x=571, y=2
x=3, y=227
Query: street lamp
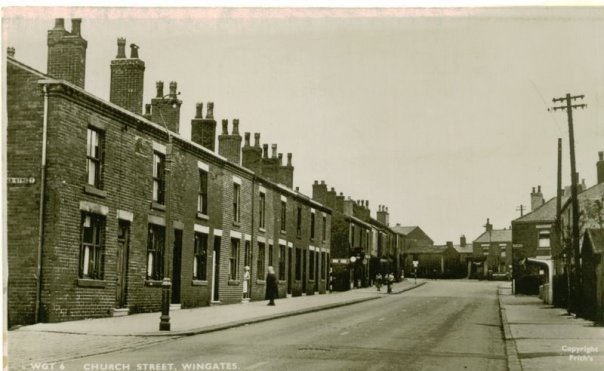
x=415, y=264
x=166, y=285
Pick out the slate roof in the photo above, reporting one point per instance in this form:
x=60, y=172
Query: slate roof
x=467, y=249
x=597, y=239
x=544, y=213
x=404, y=230
x=496, y=235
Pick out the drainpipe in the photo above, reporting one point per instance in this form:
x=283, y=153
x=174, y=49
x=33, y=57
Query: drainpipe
x=41, y=216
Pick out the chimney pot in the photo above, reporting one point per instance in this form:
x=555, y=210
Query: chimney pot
x=332, y=189
x=159, y=85
x=538, y=189
x=316, y=182
x=367, y=203
x=289, y=159
x=210, y=111
x=199, y=110
x=601, y=154
x=121, y=48
x=265, y=150
x=76, y=25
x=256, y=139
x=147, y=109
x=247, y=139
x=225, y=124
x=533, y=189
x=274, y=149
x=235, y=127
x=59, y=24
x=280, y=157
x=10, y=51
x=322, y=182
x=134, y=51
x=297, y=189
x=173, y=87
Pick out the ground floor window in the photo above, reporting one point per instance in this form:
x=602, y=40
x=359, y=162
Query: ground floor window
x=200, y=259
x=323, y=266
x=311, y=266
x=260, y=261
x=92, y=249
x=155, y=252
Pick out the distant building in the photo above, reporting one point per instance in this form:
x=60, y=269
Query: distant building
x=492, y=252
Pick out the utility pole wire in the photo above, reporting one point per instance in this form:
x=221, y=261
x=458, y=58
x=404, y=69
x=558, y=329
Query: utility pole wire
x=521, y=209
x=553, y=117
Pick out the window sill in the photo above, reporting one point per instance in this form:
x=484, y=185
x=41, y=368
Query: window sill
x=261, y=229
x=202, y=216
x=92, y=190
x=199, y=283
x=87, y=282
x=158, y=206
x=234, y=283
x=236, y=223
x=283, y=232
x=153, y=283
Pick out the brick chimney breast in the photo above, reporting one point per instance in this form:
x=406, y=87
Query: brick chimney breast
x=127, y=78
x=67, y=52
x=600, y=167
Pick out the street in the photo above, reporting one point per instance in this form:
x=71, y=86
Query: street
x=443, y=325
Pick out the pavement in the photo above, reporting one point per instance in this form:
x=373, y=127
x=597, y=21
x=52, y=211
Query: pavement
x=541, y=337
x=50, y=343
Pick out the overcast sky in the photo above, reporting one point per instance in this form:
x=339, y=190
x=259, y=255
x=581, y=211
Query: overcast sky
x=439, y=114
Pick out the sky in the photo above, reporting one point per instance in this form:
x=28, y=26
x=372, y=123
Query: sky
x=439, y=114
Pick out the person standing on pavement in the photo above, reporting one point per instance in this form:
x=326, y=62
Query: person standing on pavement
x=246, y=279
x=389, y=281
x=378, y=281
x=271, y=286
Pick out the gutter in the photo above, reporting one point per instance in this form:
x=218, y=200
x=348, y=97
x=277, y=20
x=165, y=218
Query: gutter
x=41, y=215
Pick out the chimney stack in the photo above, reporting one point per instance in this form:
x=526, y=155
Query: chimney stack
x=536, y=198
x=165, y=109
x=251, y=156
x=67, y=52
x=382, y=215
x=10, y=51
x=462, y=241
x=229, y=145
x=600, y=167
x=203, y=131
x=319, y=192
x=488, y=226
x=127, y=78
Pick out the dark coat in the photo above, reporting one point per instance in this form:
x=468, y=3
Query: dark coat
x=271, y=286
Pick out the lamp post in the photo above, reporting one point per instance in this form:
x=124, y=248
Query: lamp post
x=166, y=285
x=415, y=264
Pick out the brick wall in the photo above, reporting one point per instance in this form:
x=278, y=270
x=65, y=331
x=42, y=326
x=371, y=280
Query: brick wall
x=24, y=153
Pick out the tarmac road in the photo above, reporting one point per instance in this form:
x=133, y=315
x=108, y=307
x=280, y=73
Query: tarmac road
x=445, y=325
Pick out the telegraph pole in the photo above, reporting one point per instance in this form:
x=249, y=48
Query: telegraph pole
x=569, y=106
x=521, y=209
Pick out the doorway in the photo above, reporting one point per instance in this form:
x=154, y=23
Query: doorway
x=290, y=271
x=123, y=247
x=216, y=269
x=304, y=252
x=176, y=266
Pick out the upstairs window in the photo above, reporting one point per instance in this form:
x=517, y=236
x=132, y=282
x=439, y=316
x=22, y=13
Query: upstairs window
x=236, y=202
x=312, y=226
x=202, y=196
x=324, y=226
x=262, y=210
x=299, y=222
x=94, y=157
x=92, y=250
x=159, y=174
x=283, y=215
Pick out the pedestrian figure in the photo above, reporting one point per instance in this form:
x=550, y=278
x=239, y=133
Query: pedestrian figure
x=390, y=281
x=378, y=281
x=246, y=278
x=271, y=286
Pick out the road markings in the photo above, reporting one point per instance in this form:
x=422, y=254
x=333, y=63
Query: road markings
x=256, y=365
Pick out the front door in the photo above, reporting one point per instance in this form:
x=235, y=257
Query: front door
x=216, y=269
x=123, y=242
x=290, y=271
x=304, y=271
x=176, y=266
